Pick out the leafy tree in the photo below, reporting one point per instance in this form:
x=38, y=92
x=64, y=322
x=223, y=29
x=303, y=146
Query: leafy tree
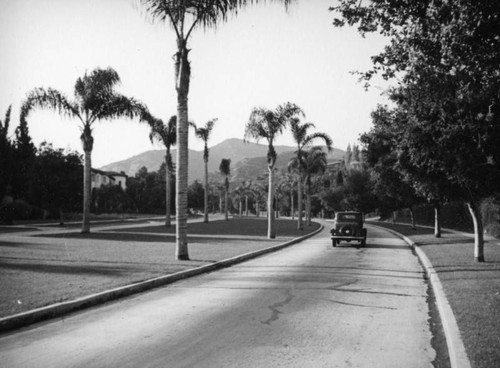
x=109, y=198
x=146, y=191
x=167, y=134
x=225, y=170
x=55, y=180
x=185, y=17
x=390, y=183
x=95, y=100
x=204, y=133
x=302, y=140
x=268, y=124
x=6, y=160
x=23, y=157
x=358, y=193
x=448, y=90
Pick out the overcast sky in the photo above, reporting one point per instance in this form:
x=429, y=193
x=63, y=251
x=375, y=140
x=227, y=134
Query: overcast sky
x=263, y=57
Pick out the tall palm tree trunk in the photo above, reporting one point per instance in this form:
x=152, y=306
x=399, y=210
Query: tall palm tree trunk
x=87, y=144
x=226, y=216
x=292, y=204
x=308, y=208
x=168, y=189
x=271, y=232
x=87, y=174
x=182, y=74
x=220, y=202
x=205, y=218
x=299, y=204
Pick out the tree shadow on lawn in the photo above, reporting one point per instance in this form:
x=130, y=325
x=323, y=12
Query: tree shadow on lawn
x=88, y=269
x=146, y=238
x=235, y=226
x=11, y=229
x=124, y=237
x=19, y=244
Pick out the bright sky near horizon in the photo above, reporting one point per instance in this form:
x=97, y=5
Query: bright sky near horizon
x=262, y=57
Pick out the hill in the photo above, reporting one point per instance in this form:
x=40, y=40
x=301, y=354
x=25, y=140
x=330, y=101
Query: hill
x=248, y=160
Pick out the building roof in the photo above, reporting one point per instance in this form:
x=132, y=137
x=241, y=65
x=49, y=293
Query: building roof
x=109, y=173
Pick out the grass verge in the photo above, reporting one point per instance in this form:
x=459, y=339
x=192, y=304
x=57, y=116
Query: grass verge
x=44, y=267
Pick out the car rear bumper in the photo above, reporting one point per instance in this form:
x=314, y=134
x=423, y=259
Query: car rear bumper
x=347, y=238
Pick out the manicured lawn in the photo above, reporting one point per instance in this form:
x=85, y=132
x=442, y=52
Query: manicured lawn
x=40, y=268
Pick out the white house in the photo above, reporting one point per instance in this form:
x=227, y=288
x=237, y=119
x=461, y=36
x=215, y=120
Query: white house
x=99, y=178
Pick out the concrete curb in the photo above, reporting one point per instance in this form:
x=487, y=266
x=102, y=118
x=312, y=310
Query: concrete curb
x=59, y=309
x=456, y=348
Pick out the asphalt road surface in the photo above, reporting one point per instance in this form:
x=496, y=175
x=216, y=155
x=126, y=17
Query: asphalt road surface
x=310, y=305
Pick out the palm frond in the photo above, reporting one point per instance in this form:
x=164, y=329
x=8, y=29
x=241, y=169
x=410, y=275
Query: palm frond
x=161, y=132
x=225, y=166
x=315, y=136
x=49, y=98
x=117, y=106
x=203, y=13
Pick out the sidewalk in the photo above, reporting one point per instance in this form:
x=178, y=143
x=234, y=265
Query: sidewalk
x=472, y=289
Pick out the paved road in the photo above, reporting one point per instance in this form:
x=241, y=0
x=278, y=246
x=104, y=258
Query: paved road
x=310, y=305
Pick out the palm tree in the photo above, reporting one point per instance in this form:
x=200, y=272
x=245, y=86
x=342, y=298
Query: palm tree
x=286, y=182
x=313, y=163
x=258, y=193
x=225, y=169
x=95, y=100
x=247, y=191
x=303, y=140
x=238, y=197
x=268, y=124
x=166, y=134
x=185, y=16
x=204, y=133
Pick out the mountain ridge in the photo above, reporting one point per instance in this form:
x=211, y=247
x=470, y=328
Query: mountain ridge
x=243, y=155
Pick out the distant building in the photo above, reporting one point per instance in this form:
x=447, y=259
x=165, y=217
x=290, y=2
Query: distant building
x=99, y=178
x=334, y=166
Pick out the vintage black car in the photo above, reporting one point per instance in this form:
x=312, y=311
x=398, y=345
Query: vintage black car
x=348, y=226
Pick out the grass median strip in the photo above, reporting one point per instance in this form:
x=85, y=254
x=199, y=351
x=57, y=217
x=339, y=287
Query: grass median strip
x=44, y=269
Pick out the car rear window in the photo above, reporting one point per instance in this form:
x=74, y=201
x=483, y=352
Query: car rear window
x=348, y=216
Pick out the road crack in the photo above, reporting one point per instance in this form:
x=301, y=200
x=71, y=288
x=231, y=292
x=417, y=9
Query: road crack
x=275, y=312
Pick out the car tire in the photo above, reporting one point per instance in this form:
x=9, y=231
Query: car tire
x=334, y=242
